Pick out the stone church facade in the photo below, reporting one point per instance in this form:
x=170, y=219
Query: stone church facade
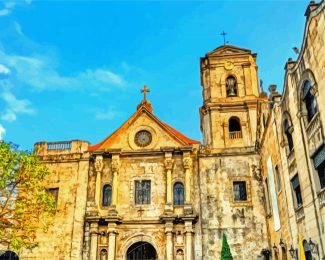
x=149, y=192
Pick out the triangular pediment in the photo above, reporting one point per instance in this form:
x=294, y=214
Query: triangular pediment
x=228, y=50
x=158, y=134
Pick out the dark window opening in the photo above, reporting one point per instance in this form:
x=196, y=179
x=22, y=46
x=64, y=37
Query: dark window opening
x=234, y=128
x=178, y=194
x=297, y=191
x=321, y=174
x=231, y=86
x=142, y=192
x=240, y=193
x=310, y=101
x=107, y=195
x=287, y=131
x=54, y=192
x=278, y=178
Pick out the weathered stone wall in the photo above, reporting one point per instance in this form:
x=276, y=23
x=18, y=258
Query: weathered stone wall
x=243, y=222
x=68, y=172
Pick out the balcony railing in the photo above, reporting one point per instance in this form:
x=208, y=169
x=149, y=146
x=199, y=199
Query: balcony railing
x=235, y=135
x=300, y=214
x=59, y=146
x=313, y=125
x=321, y=198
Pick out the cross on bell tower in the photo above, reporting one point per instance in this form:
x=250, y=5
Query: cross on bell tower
x=145, y=90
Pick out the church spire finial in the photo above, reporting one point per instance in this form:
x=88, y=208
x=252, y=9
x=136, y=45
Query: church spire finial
x=145, y=103
x=144, y=91
x=224, y=37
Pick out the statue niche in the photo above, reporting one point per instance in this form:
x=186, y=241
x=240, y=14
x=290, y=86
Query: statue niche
x=231, y=86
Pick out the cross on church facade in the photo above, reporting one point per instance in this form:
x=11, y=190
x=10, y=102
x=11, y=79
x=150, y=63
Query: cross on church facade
x=140, y=211
x=224, y=37
x=145, y=90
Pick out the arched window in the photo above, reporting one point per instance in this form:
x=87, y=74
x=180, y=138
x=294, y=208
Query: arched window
x=107, y=195
x=178, y=193
x=287, y=131
x=234, y=128
x=179, y=254
x=231, y=86
x=103, y=254
x=310, y=100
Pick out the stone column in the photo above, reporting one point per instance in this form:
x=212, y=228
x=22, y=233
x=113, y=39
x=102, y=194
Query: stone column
x=93, y=240
x=187, y=164
x=99, y=168
x=115, y=170
x=111, y=245
x=189, y=239
x=169, y=187
x=169, y=240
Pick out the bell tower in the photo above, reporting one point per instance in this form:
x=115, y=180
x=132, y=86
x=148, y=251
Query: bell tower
x=230, y=94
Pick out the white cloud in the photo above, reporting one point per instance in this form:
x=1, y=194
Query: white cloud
x=9, y=116
x=4, y=72
x=39, y=72
x=15, y=106
x=8, y=6
x=108, y=114
x=2, y=132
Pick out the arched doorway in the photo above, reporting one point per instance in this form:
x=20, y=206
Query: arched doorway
x=141, y=251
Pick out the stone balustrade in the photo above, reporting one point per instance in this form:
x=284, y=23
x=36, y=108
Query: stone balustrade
x=235, y=135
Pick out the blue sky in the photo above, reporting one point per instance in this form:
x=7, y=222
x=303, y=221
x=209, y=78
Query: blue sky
x=73, y=69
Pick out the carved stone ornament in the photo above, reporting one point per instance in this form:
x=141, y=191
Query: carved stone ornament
x=115, y=165
x=187, y=162
x=99, y=163
x=229, y=65
x=169, y=163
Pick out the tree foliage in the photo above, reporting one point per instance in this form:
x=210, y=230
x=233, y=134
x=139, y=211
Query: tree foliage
x=25, y=204
x=225, y=250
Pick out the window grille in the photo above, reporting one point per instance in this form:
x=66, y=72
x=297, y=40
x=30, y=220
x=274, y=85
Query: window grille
x=142, y=192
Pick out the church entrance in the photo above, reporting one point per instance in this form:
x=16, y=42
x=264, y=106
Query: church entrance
x=141, y=251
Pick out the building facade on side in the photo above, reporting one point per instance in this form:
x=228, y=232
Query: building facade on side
x=149, y=191
x=291, y=140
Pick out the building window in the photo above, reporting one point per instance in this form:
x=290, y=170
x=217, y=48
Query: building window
x=267, y=197
x=288, y=131
x=234, y=128
x=297, y=191
x=321, y=174
x=142, y=192
x=107, y=195
x=310, y=100
x=231, y=86
x=178, y=193
x=54, y=192
x=278, y=178
x=240, y=193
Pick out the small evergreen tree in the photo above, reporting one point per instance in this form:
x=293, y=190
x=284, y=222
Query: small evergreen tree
x=225, y=250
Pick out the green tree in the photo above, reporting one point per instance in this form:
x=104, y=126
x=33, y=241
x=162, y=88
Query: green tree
x=225, y=250
x=25, y=204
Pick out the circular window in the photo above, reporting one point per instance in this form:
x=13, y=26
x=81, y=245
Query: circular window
x=143, y=138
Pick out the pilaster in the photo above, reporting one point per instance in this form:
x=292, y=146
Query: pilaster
x=169, y=163
x=187, y=164
x=112, y=233
x=93, y=240
x=115, y=170
x=99, y=165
